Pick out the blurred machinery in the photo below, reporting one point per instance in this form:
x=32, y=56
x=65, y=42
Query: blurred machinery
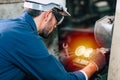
x=103, y=31
x=85, y=31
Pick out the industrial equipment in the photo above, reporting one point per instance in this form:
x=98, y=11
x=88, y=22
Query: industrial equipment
x=103, y=31
x=87, y=29
x=79, y=57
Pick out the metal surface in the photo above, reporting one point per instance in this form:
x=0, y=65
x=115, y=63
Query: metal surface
x=65, y=46
x=103, y=31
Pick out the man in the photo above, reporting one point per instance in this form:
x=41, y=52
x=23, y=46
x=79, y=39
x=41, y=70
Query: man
x=23, y=53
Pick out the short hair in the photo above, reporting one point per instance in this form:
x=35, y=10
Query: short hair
x=34, y=13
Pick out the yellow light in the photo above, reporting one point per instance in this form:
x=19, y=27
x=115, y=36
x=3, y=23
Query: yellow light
x=88, y=52
x=80, y=61
x=80, y=50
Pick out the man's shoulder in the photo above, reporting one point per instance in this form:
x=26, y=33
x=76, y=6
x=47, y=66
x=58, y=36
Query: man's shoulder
x=9, y=23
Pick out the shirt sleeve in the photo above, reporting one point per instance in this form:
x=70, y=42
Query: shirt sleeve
x=86, y=77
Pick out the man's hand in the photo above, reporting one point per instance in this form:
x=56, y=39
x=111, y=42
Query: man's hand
x=98, y=58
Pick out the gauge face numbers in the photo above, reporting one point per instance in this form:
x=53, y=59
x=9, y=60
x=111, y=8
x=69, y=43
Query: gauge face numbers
x=83, y=51
x=80, y=51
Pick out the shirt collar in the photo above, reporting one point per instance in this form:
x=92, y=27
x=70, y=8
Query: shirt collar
x=29, y=20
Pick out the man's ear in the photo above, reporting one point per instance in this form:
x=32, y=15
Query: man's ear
x=48, y=15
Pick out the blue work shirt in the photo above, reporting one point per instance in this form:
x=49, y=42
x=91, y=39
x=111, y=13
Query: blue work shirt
x=24, y=54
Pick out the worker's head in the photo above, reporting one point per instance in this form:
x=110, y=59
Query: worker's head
x=48, y=13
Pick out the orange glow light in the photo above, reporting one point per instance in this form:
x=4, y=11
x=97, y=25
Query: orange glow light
x=82, y=39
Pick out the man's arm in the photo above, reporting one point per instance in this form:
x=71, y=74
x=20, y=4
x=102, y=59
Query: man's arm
x=97, y=62
x=89, y=70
